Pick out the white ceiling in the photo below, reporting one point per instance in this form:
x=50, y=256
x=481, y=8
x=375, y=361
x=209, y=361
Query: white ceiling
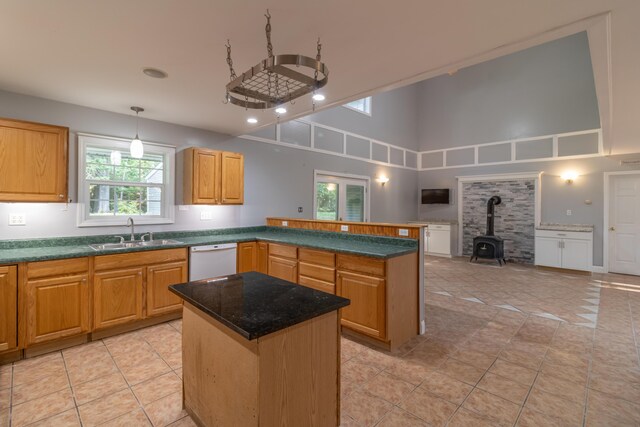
x=92, y=53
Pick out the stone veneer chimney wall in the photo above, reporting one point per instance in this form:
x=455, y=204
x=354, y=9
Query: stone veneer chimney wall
x=514, y=217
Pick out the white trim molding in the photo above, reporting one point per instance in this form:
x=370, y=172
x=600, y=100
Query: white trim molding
x=537, y=179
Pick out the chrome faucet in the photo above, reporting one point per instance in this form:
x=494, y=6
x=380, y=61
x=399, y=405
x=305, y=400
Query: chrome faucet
x=130, y=224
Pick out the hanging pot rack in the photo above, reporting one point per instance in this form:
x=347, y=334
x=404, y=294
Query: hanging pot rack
x=276, y=80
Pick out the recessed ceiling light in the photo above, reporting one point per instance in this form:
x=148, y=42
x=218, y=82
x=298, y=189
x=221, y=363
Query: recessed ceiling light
x=318, y=97
x=155, y=73
x=281, y=110
x=252, y=120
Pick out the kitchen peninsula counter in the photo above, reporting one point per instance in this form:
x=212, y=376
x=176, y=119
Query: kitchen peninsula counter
x=258, y=350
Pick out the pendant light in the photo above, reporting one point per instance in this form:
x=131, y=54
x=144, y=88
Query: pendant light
x=136, y=149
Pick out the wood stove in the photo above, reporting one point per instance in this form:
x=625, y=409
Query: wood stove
x=489, y=246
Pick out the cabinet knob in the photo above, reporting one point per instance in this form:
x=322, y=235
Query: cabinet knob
x=61, y=196
x=612, y=228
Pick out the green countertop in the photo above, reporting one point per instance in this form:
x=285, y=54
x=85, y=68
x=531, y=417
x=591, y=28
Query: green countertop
x=13, y=251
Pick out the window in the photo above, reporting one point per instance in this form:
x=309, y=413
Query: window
x=341, y=197
x=361, y=105
x=113, y=186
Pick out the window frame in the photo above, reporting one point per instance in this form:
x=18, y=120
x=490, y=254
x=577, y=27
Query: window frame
x=342, y=179
x=108, y=142
x=368, y=101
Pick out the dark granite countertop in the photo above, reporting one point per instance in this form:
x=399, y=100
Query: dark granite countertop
x=12, y=251
x=254, y=304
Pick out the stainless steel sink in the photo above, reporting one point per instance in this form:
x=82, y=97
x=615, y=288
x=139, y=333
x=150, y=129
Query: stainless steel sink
x=137, y=244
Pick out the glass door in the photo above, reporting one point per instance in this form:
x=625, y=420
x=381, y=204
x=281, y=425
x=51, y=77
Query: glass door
x=340, y=198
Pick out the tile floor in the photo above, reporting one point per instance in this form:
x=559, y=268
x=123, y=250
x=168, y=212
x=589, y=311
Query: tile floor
x=479, y=364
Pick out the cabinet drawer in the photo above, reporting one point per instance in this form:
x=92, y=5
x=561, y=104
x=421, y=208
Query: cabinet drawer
x=361, y=264
x=107, y=262
x=319, y=272
x=439, y=227
x=284, y=251
x=58, y=267
x=318, y=285
x=578, y=235
x=312, y=256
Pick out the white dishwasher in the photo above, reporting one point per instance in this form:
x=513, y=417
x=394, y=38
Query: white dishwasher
x=212, y=261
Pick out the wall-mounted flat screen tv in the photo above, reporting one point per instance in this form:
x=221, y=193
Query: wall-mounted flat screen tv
x=435, y=196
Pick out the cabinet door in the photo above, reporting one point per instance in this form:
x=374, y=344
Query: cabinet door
x=283, y=268
x=575, y=254
x=232, y=178
x=439, y=242
x=160, y=299
x=33, y=162
x=366, y=313
x=548, y=252
x=57, y=307
x=117, y=297
x=263, y=257
x=206, y=177
x=8, y=304
x=247, y=257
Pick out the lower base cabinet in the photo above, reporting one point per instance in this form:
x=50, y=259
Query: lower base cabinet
x=117, y=297
x=564, y=249
x=159, y=277
x=247, y=257
x=366, y=313
x=8, y=308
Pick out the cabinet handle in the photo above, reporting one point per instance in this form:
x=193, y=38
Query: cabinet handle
x=612, y=228
x=61, y=196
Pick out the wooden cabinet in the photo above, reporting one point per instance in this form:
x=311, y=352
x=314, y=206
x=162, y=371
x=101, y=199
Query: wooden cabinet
x=33, y=162
x=130, y=287
x=159, y=277
x=366, y=313
x=263, y=257
x=283, y=262
x=247, y=257
x=117, y=297
x=564, y=249
x=316, y=269
x=57, y=300
x=8, y=308
x=212, y=177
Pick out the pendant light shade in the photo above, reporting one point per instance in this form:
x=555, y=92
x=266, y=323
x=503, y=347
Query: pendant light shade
x=136, y=148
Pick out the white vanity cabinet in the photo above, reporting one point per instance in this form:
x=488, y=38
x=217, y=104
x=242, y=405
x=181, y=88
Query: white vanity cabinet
x=437, y=239
x=564, y=249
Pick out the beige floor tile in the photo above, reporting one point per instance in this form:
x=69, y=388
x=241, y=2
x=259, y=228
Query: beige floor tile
x=144, y=370
x=465, y=418
x=365, y=409
x=135, y=418
x=107, y=408
x=65, y=419
x=6, y=373
x=183, y=422
x=358, y=372
x=603, y=404
x=514, y=372
x=375, y=358
x=89, y=371
x=41, y=408
x=166, y=410
x=47, y=385
x=388, y=387
x=399, y=418
x=430, y=408
x=566, y=389
x=155, y=388
x=492, y=407
x=174, y=360
x=552, y=405
x=91, y=390
x=504, y=388
x=531, y=418
x=461, y=371
x=479, y=360
x=4, y=418
x=5, y=398
x=27, y=373
x=567, y=373
x=446, y=387
x=410, y=371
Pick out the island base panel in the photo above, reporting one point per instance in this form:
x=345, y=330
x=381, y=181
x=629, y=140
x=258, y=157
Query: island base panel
x=290, y=377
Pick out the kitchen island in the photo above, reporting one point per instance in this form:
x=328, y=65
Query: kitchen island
x=260, y=351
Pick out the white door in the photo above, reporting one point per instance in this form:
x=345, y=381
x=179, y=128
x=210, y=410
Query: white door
x=624, y=224
x=575, y=254
x=548, y=252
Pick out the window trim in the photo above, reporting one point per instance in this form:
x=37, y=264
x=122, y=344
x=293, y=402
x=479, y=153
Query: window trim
x=322, y=176
x=368, y=102
x=102, y=141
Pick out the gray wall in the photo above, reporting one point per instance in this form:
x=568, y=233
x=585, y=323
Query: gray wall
x=542, y=90
x=277, y=179
x=394, y=118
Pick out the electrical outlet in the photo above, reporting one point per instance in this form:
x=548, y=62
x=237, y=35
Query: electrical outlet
x=17, y=219
x=205, y=215
x=285, y=223
x=183, y=207
x=403, y=232
x=300, y=209
x=344, y=228
x=569, y=213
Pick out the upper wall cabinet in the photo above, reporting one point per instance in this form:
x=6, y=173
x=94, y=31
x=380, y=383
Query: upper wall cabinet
x=33, y=162
x=213, y=177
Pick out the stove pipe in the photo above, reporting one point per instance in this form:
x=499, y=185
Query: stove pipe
x=495, y=200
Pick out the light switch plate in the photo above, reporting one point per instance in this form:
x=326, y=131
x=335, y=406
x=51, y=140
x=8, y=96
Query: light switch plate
x=17, y=219
x=569, y=213
x=205, y=215
x=344, y=228
x=403, y=232
x=285, y=223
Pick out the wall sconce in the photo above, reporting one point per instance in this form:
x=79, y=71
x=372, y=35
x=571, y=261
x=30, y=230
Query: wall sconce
x=382, y=179
x=569, y=176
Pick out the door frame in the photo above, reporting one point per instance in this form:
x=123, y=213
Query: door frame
x=606, y=249
x=367, y=179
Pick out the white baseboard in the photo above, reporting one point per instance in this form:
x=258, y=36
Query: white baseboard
x=597, y=269
x=423, y=327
